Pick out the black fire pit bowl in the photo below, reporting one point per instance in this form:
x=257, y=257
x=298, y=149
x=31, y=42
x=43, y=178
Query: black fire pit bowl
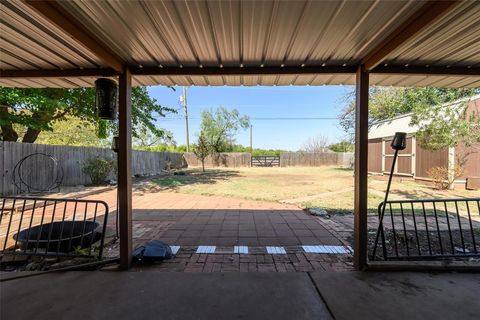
x=64, y=236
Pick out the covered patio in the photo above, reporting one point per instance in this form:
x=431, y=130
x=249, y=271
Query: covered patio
x=71, y=44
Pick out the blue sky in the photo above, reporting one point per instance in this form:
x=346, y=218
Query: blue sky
x=260, y=102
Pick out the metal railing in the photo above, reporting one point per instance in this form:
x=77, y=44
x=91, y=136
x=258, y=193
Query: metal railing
x=427, y=229
x=52, y=227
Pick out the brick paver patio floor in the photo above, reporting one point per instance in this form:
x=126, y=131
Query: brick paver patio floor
x=190, y=221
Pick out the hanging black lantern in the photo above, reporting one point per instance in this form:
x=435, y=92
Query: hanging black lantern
x=399, y=141
x=106, y=98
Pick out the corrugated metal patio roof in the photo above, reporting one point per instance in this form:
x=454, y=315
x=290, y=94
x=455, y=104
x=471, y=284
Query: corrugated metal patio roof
x=182, y=34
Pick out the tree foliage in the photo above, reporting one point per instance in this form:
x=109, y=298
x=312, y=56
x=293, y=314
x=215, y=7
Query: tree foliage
x=342, y=146
x=164, y=148
x=38, y=110
x=73, y=132
x=145, y=138
x=202, y=149
x=256, y=151
x=441, y=127
x=388, y=102
x=220, y=126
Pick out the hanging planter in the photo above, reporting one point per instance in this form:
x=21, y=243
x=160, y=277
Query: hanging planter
x=106, y=98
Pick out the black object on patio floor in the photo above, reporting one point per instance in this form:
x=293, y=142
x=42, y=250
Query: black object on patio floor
x=61, y=236
x=152, y=251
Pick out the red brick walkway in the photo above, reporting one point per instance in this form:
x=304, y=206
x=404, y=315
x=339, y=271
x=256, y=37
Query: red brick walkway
x=189, y=221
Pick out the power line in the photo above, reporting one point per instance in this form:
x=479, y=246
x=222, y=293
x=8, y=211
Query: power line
x=293, y=118
x=265, y=118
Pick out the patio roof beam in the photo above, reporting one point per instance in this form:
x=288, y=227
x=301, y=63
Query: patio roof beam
x=54, y=12
x=427, y=70
x=58, y=73
x=430, y=12
x=226, y=71
x=172, y=71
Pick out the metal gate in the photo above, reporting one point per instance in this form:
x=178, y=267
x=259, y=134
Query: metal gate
x=265, y=161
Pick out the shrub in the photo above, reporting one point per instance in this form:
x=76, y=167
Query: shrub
x=98, y=169
x=441, y=177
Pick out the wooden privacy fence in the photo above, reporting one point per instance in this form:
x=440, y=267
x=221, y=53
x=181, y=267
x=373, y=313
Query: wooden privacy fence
x=227, y=159
x=306, y=159
x=38, y=170
x=286, y=159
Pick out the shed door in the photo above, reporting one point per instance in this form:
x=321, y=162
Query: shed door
x=404, y=161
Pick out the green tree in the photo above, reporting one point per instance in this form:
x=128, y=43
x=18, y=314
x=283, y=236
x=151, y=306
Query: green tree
x=73, y=131
x=164, y=148
x=220, y=126
x=342, y=146
x=443, y=128
x=202, y=149
x=440, y=127
x=388, y=102
x=256, y=151
x=37, y=110
x=145, y=138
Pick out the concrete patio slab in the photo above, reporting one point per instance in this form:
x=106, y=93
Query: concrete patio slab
x=135, y=295
x=400, y=295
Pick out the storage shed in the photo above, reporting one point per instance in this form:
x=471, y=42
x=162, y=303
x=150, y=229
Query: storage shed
x=415, y=161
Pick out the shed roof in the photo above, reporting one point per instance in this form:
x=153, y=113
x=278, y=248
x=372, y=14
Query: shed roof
x=192, y=35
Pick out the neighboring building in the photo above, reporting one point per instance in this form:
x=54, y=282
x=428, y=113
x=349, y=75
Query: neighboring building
x=415, y=161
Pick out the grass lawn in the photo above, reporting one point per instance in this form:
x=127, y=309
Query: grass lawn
x=327, y=187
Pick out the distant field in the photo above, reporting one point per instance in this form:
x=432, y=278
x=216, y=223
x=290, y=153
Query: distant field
x=327, y=187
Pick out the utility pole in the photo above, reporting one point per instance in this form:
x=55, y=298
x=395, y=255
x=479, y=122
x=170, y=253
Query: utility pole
x=251, y=139
x=186, y=116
